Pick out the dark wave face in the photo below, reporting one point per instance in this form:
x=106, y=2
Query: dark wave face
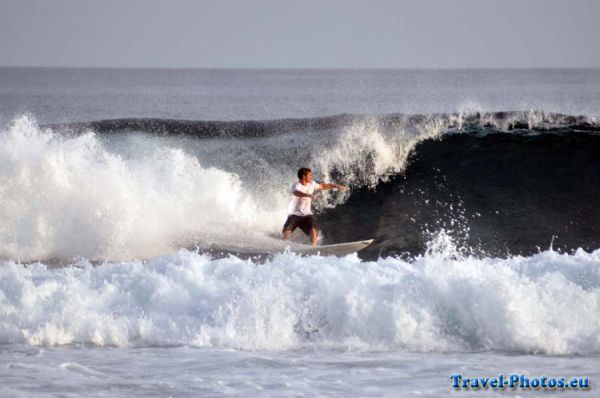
x=496, y=193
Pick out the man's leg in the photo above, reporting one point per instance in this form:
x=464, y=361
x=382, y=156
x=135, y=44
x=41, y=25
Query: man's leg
x=309, y=227
x=286, y=234
x=289, y=226
x=313, y=236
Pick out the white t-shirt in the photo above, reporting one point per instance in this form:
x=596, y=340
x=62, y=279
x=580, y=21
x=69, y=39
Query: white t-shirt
x=301, y=206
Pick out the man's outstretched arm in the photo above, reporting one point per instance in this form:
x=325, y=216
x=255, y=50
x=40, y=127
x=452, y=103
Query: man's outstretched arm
x=323, y=187
x=333, y=186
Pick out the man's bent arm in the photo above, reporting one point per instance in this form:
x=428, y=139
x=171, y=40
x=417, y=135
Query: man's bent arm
x=302, y=194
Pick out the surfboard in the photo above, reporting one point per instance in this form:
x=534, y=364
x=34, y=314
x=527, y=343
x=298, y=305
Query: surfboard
x=338, y=249
x=261, y=245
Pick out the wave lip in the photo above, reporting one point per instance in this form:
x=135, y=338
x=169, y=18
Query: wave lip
x=546, y=303
x=503, y=120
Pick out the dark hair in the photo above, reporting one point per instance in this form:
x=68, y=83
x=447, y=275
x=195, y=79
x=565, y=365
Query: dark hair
x=303, y=171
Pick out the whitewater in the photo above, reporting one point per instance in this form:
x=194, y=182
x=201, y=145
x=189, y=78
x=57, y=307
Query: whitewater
x=439, y=302
x=131, y=231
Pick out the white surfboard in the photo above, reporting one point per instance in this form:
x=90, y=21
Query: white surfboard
x=338, y=249
x=259, y=245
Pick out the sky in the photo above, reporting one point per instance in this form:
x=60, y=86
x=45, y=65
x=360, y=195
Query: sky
x=300, y=34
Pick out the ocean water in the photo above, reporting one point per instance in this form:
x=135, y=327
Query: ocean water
x=140, y=209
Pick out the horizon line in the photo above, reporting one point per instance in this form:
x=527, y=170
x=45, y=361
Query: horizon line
x=305, y=68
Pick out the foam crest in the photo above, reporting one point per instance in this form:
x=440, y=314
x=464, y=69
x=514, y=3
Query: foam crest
x=370, y=151
x=65, y=195
x=547, y=303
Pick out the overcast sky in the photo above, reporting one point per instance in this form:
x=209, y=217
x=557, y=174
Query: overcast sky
x=301, y=34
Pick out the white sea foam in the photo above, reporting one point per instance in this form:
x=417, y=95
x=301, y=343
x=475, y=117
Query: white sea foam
x=546, y=303
x=63, y=196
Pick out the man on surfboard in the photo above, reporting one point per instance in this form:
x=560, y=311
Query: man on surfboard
x=299, y=212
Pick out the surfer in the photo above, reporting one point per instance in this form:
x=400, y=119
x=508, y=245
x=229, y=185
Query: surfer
x=299, y=212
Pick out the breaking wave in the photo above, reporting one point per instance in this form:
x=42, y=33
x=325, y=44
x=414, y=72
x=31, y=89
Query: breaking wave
x=505, y=181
